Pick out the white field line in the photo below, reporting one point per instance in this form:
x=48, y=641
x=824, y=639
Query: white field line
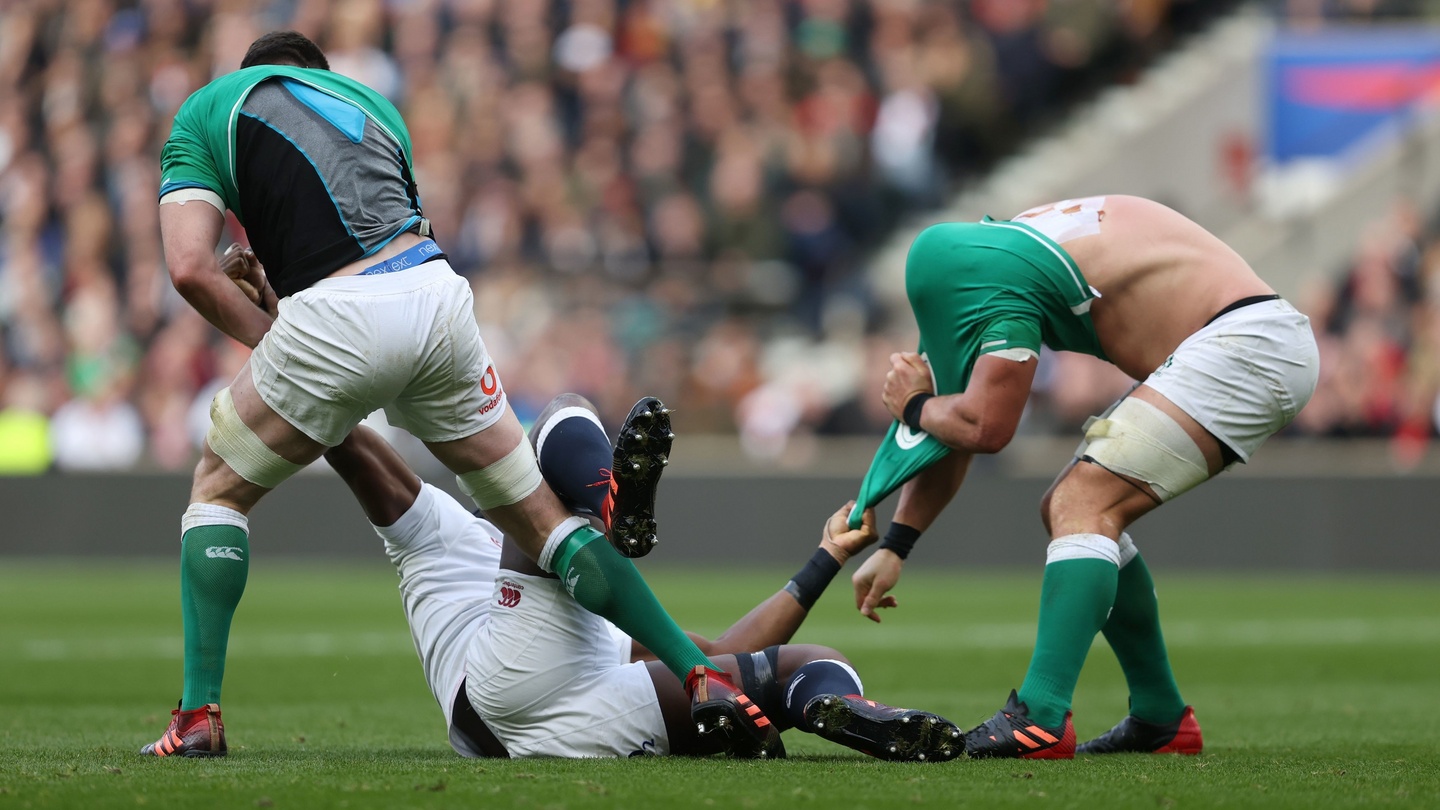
x=1179, y=634
x=249, y=645
x=1017, y=636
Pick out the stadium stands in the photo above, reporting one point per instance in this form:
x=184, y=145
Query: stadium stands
x=662, y=197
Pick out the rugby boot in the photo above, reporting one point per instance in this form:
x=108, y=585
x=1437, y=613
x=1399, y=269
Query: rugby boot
x=719, y=707
x=884, y=732
x=1135, y=736
x=641, y=452
x=193, y=733
x=1011, y=735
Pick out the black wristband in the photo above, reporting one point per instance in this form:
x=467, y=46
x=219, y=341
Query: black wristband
x=913, y=408
x=900, y=539
x=810, y=582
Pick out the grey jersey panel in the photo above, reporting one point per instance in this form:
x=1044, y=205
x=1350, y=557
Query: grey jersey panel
x=365, y=179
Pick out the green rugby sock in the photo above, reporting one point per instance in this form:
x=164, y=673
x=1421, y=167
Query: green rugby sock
x=214, y=564
x=1079, y=587
x=1133, y=631
x=609, y=585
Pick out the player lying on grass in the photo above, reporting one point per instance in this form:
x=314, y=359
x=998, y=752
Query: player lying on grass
x=1225, y=364
x=520, y=669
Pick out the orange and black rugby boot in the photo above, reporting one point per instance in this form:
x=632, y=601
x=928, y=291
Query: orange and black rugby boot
x=884, y=732
x=719, y=707
x=1135, y=736
x=1011, y=735
x=193, y=733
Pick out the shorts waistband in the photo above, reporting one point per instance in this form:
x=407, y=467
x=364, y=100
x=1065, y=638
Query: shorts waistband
x=1248, y=300
x=415, y=256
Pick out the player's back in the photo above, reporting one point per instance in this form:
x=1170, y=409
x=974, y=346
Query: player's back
x=1160, y=277
x=314, y=164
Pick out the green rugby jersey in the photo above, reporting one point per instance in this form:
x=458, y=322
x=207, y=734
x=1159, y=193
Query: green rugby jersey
x=316, y=166
x=982, y=287
x=977, y=288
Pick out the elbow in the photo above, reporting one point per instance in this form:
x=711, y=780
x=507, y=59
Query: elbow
x=992, y=436
x=188, y=278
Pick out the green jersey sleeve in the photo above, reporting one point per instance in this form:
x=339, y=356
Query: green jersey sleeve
x=1010, y=332
x=186, y=160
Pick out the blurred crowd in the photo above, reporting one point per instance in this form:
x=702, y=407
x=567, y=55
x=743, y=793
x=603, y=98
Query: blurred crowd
x=666, y=197
x=1379, y=331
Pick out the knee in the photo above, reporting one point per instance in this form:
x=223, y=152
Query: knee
x=1045, y=502
x=794, y=656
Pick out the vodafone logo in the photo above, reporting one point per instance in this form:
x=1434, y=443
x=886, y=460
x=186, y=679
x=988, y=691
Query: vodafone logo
x=509, y=594
x=490, y=387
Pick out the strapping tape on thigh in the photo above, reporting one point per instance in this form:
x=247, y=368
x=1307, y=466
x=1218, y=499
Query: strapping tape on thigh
x=233, y=441
x=504, y=482
x=1141, y=441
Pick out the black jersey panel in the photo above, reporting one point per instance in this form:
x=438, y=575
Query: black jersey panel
x=293, y=224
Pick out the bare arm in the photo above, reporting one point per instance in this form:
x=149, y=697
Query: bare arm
x=983, y=419
x=775, y=620
x=190, y=232
x=922, y=499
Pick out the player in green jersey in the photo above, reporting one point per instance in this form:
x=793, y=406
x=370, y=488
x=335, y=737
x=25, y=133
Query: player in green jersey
x=359, y=311
x=1224, y=364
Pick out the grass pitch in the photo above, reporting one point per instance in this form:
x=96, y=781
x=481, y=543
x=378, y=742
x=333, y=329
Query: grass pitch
x=1312, y=692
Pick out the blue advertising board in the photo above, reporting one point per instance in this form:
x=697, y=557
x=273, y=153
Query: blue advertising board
x=1330, y=89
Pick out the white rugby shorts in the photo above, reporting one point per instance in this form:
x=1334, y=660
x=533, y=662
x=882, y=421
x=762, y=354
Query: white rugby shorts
x=551, y=679
x=406, y=342
x=1246, y=375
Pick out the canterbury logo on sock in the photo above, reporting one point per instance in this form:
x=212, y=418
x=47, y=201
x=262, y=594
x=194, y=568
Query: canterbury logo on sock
x=571, y=582
x=228, y=552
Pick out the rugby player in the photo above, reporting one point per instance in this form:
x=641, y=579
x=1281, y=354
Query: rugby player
x=1225, y=363
x=521, y=670
x=362, y=312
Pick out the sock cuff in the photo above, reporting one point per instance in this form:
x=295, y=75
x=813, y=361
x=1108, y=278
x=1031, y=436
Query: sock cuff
x=1083, y=547
x=800, y=675
x=571, y=412
x=210, y=514
x=551, y=557
x=849, y=670
x=1128, y=551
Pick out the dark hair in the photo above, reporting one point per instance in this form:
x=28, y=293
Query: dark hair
x=285, y=48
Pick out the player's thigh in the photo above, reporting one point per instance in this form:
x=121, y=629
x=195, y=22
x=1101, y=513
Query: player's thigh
x=482, y=448
x=1141, y=467
x=1210, y=446
x=286, y=440
x=216, y=481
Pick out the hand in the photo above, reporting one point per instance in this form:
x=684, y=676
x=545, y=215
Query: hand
x=909, y=375
x=873, y=583
x=240, y=264
x=844, y=542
